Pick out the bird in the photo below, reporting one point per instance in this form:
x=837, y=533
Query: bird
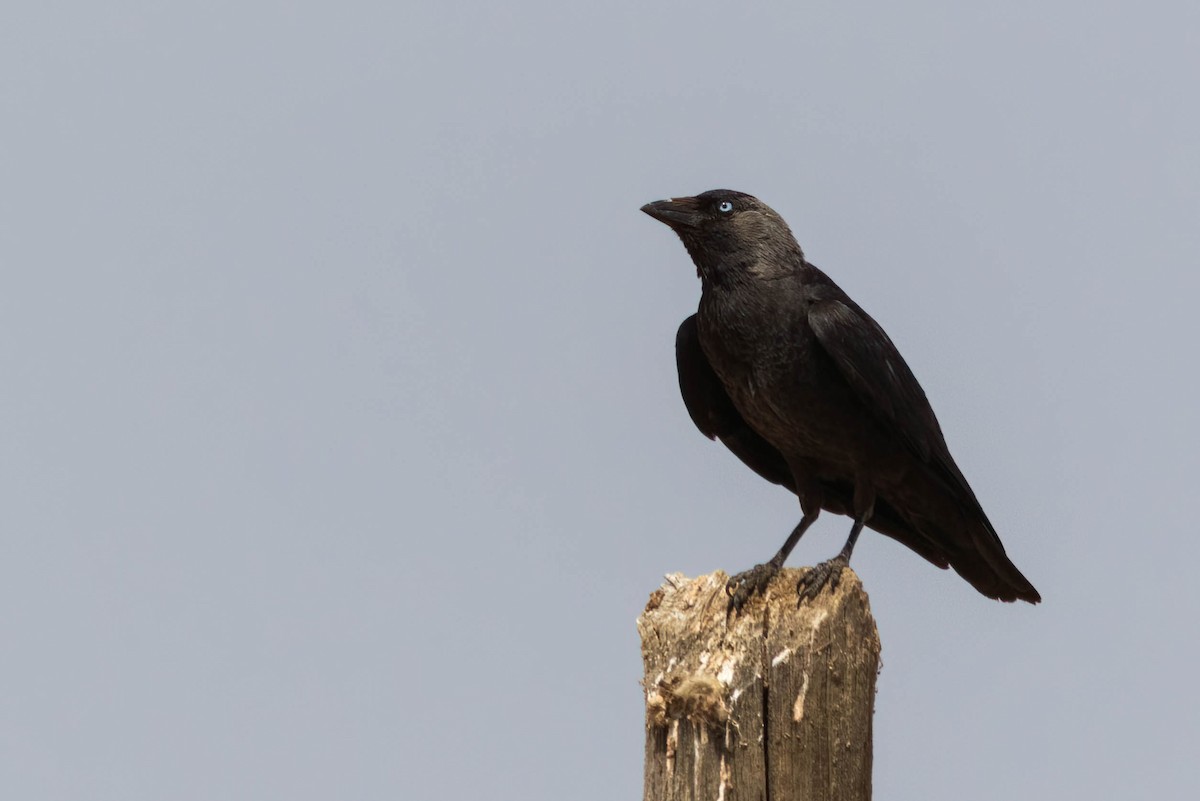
x=805, y=388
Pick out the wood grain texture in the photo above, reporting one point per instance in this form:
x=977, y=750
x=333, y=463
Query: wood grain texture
x=773, y=704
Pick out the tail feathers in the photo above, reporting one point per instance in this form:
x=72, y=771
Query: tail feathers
x=983, y=563
x=968, y=543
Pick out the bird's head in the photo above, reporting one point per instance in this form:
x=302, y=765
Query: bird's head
x=730, y=234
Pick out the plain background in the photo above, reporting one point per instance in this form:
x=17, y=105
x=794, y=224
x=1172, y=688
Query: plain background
x=341, y=442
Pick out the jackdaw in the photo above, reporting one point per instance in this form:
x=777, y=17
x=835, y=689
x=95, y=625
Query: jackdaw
x=805, y=388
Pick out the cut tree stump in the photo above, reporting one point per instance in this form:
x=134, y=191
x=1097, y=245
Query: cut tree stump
x=773, y=704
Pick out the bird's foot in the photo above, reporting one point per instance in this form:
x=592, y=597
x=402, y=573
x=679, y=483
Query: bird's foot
x=742, y=587
x=815, y=578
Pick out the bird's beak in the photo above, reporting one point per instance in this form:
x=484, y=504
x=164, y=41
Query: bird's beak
x=678, y=211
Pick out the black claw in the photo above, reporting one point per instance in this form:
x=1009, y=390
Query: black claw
x=816, y=578
x=742, y=587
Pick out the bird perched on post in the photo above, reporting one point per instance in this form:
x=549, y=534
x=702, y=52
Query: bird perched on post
x=805, y=388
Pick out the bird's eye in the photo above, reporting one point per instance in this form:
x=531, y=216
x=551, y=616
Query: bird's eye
x=724, y=207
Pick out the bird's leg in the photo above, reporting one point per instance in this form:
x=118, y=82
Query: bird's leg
x=745, y=584
x=830, y=571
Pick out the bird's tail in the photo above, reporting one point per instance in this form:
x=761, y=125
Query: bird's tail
x=981, y=560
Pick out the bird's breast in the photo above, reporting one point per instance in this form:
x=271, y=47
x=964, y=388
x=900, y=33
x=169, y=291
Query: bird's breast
x=761, y=352
x=776, y=372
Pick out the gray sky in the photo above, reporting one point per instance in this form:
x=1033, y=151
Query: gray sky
x=341, y=436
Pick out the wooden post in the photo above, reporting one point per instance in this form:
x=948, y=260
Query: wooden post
x=773, y=704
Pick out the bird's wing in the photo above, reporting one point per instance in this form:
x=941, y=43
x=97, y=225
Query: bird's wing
x=883, y=383
x=886, y=387
x=714, y=414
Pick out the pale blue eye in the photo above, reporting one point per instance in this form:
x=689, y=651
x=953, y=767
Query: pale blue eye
x=725, y=207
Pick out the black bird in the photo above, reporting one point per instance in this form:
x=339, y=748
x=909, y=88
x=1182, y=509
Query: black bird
x=806, y=389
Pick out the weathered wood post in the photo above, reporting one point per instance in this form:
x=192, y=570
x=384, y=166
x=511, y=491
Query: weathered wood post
x=774, y=704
